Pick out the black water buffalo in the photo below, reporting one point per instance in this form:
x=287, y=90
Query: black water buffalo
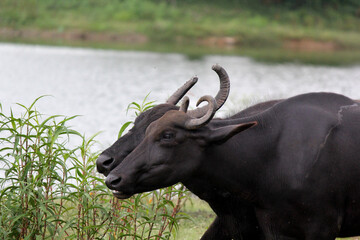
x=297, y=163
x=236, y=219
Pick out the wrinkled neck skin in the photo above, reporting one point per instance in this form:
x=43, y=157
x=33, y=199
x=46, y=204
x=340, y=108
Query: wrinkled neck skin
x=234, y=168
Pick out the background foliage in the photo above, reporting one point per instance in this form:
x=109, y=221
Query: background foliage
x=309, y=31
x=258, y=22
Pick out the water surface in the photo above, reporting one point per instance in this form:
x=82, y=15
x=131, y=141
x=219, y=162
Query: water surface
x=99, y=84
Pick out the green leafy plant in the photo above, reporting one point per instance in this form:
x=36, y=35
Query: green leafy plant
x=49, y=189
x=138, y=108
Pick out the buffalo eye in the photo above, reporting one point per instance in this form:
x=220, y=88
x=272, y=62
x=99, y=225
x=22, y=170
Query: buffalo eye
x=168, y=135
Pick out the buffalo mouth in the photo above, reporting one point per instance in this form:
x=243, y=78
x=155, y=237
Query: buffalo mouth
x=121, y=195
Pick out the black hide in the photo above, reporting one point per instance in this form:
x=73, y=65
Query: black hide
x=235, y=219
x=294, y=174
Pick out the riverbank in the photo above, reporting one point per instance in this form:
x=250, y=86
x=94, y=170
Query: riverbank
x=311, y=35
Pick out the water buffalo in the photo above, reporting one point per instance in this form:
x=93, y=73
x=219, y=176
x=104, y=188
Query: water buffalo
x=236, y=219
x=297, y=163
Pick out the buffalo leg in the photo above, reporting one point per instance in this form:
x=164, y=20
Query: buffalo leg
x=287, y=225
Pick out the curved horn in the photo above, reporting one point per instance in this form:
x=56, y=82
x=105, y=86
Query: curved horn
x=223, y=93
x=175, y=98
x=194, y=123
x=184, y=104
x=221, y=96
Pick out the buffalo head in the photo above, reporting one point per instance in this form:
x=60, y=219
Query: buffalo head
x=114, y=155
x=172, y=150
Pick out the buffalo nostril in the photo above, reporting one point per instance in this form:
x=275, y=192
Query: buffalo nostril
x=104, y=164
x=108, y=162
x=115, y=182
x=112, y=181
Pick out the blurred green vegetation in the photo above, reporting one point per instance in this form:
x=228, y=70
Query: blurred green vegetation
x=228, y=24
x=201, y=217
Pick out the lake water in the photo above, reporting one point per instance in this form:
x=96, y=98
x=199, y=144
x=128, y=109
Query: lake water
x=99, y=84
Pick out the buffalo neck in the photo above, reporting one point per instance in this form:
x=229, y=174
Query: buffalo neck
x=235, y=167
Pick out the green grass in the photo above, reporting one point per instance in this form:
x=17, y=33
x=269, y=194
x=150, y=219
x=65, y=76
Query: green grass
x=185, y=26
x=201, y=217
x=162, y=21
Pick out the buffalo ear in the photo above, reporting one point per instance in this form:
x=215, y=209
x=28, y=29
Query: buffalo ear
x=222, y=134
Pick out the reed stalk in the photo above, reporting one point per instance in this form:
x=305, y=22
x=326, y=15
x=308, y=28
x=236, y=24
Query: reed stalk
x=49, y=189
